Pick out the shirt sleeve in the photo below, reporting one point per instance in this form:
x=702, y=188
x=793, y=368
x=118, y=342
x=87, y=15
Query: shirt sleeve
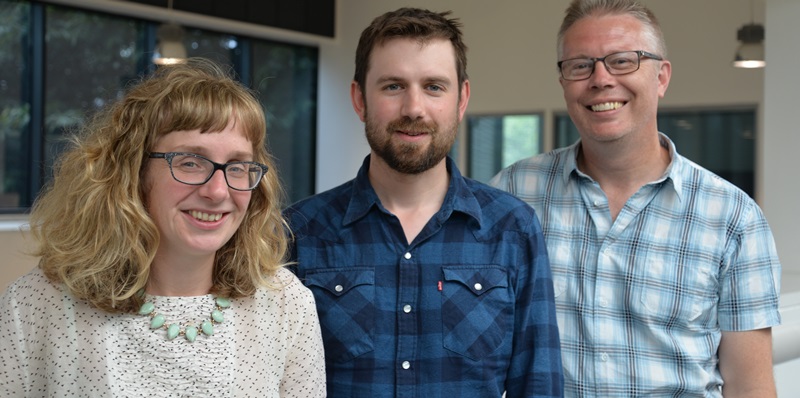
x=304, y=374
x=15, y=375
x=502, y=180
x=750, y=282
x=536, y=363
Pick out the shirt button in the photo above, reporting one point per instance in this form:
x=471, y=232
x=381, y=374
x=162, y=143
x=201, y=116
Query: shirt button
x=603, y=302
x=406, y=365
x=407, y=256
x=406, y=308
x=596, y=203
x=604, y=357
x=478, y=287
x=338, y=288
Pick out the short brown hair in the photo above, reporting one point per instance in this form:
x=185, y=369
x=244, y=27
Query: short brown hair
x=414, y=23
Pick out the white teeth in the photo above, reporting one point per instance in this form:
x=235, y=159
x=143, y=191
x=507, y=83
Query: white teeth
x=607, y=106
x=205, y=216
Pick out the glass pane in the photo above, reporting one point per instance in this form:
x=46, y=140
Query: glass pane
x=722, y=141
x=218, y=47
x=286, y=78
x=565, y=131
x=90, y=58
x=521, y=138
x=14, y=105
x=498, y=141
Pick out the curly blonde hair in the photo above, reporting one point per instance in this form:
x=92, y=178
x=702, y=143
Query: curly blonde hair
x=94, y=233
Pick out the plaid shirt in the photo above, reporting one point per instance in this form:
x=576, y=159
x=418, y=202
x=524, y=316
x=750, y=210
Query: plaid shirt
x=465, y=310
x=642, y=300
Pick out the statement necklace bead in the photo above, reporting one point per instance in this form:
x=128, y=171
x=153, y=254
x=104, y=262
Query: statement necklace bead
x=189, y=332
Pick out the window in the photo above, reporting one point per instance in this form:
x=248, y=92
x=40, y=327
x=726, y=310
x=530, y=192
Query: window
x=64, y=64
x=496, y=141
x=15, y=104
x=721, y=140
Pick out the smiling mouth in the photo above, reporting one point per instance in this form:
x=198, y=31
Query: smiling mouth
x=411, y=133
x=606, y=106
x=205, y=216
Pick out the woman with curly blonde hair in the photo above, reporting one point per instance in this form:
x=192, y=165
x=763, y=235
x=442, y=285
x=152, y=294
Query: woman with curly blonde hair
x=158, y=275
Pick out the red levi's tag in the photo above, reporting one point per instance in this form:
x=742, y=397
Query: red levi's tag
x=439, y=286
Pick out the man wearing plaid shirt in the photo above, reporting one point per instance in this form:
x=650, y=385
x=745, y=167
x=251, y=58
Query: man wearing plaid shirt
x=666, y=276
x=428, y=284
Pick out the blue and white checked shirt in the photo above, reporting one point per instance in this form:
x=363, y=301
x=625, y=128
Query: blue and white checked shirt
x=642, y=300
x=465, y=310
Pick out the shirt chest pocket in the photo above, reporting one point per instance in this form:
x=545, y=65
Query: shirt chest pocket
x=477, y=310
x=345, y=305
x=675, y=294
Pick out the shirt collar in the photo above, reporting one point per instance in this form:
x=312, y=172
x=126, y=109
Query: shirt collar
x=672, y=173
x=459, y=197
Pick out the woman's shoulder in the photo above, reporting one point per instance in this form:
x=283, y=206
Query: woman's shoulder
x=284, y=287
x=33, y=287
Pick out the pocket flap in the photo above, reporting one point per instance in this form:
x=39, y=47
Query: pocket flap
x=340, y=281
x=477, y=279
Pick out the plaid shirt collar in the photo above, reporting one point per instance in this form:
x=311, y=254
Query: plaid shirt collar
x=672, y=174
x=459, y=198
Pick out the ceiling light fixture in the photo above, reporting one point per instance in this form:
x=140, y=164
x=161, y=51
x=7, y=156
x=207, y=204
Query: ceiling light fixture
x=750, y=53
x=170, y=49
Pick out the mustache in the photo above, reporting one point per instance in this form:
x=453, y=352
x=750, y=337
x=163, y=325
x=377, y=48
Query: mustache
x=407, y=124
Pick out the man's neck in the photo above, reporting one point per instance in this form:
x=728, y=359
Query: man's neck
x=623, y=167
x=412, y=198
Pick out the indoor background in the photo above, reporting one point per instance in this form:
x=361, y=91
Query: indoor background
x=512, y=72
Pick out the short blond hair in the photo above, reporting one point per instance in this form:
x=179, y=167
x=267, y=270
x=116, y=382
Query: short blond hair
x=580, y=9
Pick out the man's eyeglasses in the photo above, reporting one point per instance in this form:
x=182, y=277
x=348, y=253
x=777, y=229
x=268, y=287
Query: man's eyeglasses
x=192, y=169
x=620, y=63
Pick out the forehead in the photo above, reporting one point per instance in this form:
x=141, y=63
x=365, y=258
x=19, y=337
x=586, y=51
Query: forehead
x=231, y=139
x=596, y=36
x=412, y=57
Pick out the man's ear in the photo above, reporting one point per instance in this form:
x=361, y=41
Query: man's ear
x=357, y=98
x=664, y=74
x=464, y=100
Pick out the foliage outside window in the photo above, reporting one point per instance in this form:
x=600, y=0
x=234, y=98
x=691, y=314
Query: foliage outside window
x=497, y=141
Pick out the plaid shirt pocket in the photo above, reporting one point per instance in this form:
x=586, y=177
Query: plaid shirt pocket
x=477, y=309
x=346, y=311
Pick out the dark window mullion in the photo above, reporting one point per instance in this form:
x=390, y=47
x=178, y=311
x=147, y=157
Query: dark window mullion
x=35, y=71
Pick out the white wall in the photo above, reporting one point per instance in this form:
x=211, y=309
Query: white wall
x=781, y=141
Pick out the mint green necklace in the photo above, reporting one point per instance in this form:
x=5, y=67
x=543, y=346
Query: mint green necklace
x=158, y=321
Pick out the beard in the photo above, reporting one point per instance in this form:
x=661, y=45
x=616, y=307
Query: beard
x=411, y=158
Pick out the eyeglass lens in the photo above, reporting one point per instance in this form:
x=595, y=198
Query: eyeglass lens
x=616, y=64
x=194, y=169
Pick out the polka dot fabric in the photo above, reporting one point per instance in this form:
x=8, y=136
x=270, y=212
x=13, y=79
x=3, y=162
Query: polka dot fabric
x=52, y=345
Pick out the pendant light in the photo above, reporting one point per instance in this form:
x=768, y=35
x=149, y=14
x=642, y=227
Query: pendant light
x=750, y=53
x=170, y=48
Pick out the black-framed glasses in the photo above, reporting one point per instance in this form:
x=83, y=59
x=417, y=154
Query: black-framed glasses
x=193, y=169
x=620, y=63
